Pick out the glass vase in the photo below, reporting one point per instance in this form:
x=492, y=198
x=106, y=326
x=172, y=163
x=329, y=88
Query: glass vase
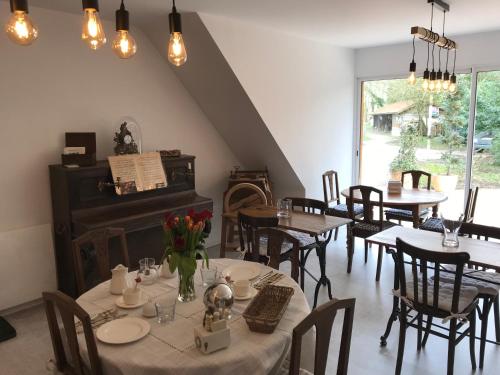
x=186, y=287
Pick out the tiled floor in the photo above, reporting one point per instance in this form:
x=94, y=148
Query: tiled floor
x=27, y=354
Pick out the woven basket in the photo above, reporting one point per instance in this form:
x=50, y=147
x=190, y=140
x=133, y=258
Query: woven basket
x=267, y=308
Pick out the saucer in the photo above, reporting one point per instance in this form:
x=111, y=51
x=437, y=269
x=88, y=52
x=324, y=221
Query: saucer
x=121, y=303
x=252, y=293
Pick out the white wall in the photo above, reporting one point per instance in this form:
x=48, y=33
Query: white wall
x=303, y=91
x=394, y=60
x=59, y=85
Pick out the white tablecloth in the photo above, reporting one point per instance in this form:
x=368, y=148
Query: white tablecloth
x=170, y=349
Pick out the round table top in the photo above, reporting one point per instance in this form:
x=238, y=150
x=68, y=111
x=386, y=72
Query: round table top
x=408, y=197
x=170, y=348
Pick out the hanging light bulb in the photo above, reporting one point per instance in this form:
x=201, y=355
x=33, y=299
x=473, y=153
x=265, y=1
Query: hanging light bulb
x=412, y=79
x=20, y=29
x=432, y=81
x=425, y=82
x=92, y=30
x=439, y=81
x=176, y=49
x=446, y=81
x=453, y=84
x=124, y=45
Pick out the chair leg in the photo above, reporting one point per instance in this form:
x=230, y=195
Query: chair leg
x=484, y=330
x=419, y=331
x=379, y=261
x=302, y=272
x=350, y=249
x=496, y=311
x=336, y=234
x=452, y=345
x=427, y=330
x=366, y=252
x=402, y=338
x=472, y=338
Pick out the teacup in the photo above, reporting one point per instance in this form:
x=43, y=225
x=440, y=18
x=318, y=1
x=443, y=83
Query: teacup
x=241, y=288
x=132, y=296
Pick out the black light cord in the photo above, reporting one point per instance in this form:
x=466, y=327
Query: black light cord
x=413, y=57
x=433, y=44
x=454, y=60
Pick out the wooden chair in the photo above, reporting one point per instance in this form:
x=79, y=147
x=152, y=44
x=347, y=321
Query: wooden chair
x=99, y=241
x=307, y=243
x=331, y=194
x=407, y=215
x=367, y=225
x=488, y=291
x=434, y=224
x=68, y=309
x=263, y=242
x=322, y=319
x=435, y=299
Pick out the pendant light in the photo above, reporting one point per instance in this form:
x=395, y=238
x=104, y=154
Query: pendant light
x=176, y=49
x=446, y=75
x=92, y=30
x=425, y=81
x=412, y=79
x=453, y=79
x=19, y=28
x=124, y=45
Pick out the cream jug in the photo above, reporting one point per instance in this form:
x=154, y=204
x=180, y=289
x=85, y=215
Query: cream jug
x=119, y=279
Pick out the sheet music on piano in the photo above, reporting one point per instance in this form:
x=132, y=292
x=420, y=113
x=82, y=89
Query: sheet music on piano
x=137, y=172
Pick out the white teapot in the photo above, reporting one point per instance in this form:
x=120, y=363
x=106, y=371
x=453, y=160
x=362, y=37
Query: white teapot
x=119, y=279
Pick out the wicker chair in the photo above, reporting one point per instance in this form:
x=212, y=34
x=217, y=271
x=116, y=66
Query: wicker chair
x=322, y=319
x=406, y=215
x=59, y=303
x=434, y=299
x=331, y=194
x=366, y=226
x=434, y=224
x=98, y=240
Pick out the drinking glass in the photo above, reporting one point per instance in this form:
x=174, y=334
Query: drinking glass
x=165, y=308
x=450, y=231
x=208, y=275
x=147, y=271
x=284, y=207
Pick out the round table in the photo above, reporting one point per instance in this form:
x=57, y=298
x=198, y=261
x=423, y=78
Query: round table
x=170, y=348
x=414, y=200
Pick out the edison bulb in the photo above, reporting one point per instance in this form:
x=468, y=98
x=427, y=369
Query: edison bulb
x=425, y=85
x=432, y=85
x=124, y=45
x=412, y=79
x=439, y=85
x=452, y=88
x=176, y=49
x=446, y=85
x=92, y=30
x=20, y=29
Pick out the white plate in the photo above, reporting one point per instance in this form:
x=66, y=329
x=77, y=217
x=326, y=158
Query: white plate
x=252, y=293
x=122, y=331
x=242, y=271
x=121, y=303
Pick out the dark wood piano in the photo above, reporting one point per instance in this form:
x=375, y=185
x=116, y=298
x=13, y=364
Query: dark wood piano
x=84, y=199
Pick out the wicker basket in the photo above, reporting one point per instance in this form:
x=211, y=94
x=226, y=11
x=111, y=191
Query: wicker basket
x=265, y=311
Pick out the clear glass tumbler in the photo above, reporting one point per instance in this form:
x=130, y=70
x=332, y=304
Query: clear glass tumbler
x=208, y=275
x=284, y=207
x=165, y=309
x=450, y=231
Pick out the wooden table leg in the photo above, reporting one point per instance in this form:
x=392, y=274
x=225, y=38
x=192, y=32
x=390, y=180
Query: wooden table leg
x=416, y=216
x=223, y=237
x=435, y=210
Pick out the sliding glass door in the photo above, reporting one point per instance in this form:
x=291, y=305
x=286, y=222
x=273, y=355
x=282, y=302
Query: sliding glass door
x=403, y=127
x=486, y=148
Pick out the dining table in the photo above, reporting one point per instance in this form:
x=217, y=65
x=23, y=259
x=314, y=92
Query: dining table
x=170, y=348
x=318, y=226
x=414, y=200
x=483, y=254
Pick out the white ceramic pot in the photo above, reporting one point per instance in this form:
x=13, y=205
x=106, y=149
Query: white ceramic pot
x=165, y=271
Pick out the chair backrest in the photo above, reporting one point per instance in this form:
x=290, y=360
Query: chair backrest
x=68, y=309
x=415, y=178
x=331, y=192
x=99, y=240
x=243, y=195
x=363, y=195
x=322, y=318
x=247, y=227
x=481, y=232
x=276, y=239
x=421, y=261
x=470, y=206
x=312, y=206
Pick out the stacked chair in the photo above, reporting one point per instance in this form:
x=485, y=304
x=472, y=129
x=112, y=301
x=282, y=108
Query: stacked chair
x=407, y=215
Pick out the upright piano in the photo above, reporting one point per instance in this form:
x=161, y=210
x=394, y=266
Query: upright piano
x=84, y=199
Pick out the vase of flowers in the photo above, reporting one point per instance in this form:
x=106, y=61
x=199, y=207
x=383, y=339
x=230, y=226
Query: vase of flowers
x=184, y=242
